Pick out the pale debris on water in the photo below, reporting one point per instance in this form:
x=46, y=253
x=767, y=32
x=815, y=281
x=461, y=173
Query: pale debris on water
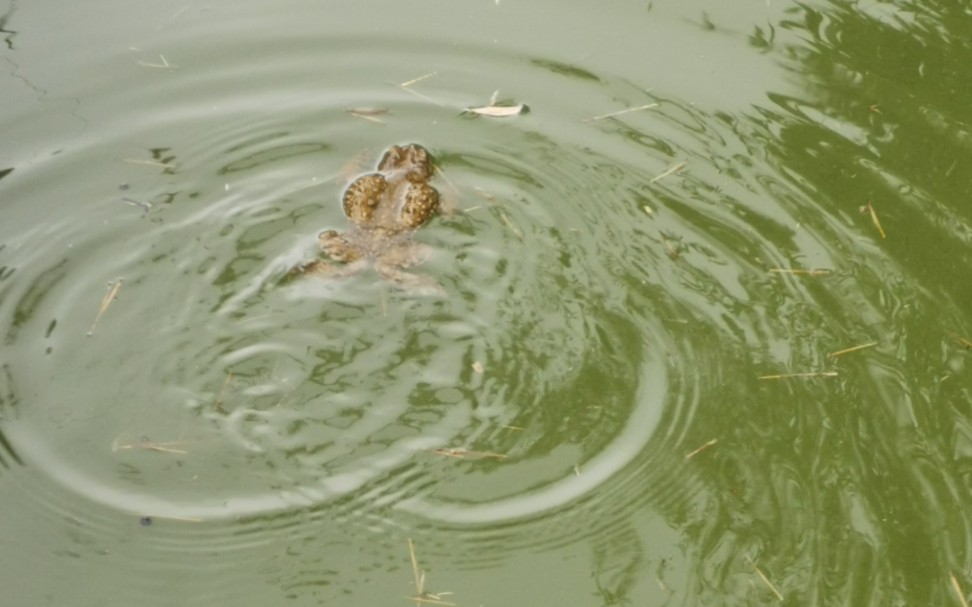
x=497, y=111
x=106, y=301
x=163, y=64
x=669, y=171
x=808, y=375
x=409, y=83
x=369, y=114
x=799, y=271
x=418, y=577
x=509, y=224
x=765, y=579
x=163, y=447
x=958, y=589
x=702, y=448
x=869, y=209
x=869, y=344
x=461, y=453
x=965, y=342
x=647, y=106
x=407, y=86
x=483, y=193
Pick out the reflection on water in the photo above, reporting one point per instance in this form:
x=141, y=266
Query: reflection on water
x=633, y=378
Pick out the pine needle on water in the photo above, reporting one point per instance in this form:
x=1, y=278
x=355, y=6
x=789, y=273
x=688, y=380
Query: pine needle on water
x=647, y=106
x=669, y=171
x=109, y=297
x=800, y=375
x=765, y=579
x=702, y=448
x=799, y=272
x=869, y=208
x=852, y=349
x=958, y=589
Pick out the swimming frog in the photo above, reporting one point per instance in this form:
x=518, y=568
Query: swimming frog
x=385, y=208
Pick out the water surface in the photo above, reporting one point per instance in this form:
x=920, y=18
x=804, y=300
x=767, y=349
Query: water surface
x=628, y=392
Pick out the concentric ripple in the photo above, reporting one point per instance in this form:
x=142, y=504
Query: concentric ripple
x=540, y=362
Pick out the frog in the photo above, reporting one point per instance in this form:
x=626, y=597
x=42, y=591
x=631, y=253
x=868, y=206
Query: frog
x=384, y=209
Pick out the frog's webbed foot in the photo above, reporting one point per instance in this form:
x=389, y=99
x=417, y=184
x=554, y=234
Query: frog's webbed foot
x=336, y=246
x=320, y=268
x=412, y=283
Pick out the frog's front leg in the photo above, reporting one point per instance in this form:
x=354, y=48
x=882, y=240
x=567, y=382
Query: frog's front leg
x=321, y=268
x=336, y=246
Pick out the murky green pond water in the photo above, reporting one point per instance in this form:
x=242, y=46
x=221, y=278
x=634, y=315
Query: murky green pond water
x=703, y=335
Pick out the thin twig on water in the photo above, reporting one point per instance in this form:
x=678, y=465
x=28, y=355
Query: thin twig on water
x=415, y=570
x=765, y=579
x=418, y=576
x=800, y=375
x=647, y=106
x=852, y=349
x=965, y=342
x=181, y=519
x=509, y=224
x=368, y=111
x=165, y=65
x=145, y=206
x=484, y=194
x=409, y=83
x=799, y=272
x=369, y=115
x=158, y=447
x=109, y=297
x=958, y=589
x=701, y=448
x=467, y=454
x=407, y=86
x=869, y=208
x=669, y=171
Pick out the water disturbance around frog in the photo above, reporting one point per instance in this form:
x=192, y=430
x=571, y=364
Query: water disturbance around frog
x=542, y=360
x=614, y=287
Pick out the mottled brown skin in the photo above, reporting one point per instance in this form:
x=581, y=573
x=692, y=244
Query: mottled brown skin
x=384, y=208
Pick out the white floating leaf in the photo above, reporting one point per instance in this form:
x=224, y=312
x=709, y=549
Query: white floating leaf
x=497, y=111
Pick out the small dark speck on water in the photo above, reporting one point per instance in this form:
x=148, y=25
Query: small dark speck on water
x=123, y=187
x=145, y=521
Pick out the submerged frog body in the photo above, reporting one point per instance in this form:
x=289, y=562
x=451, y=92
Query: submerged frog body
x=384, y=208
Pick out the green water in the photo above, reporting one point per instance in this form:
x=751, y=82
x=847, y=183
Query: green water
x=627, y=392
